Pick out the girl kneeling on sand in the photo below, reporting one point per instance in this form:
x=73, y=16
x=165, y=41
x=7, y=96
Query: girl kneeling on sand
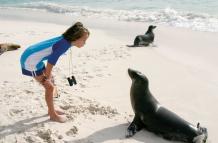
x=50, y=50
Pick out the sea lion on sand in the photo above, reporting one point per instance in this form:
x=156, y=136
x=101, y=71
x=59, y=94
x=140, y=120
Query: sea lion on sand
x=152, y=116
x=8, y=47
x=144, y=40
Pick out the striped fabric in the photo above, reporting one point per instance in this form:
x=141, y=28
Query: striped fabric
x=32, y=58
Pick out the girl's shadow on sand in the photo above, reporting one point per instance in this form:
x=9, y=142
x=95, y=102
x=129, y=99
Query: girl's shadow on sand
x=21, y=126
x=118, y=133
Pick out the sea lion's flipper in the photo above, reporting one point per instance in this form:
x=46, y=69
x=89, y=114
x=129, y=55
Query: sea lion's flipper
x=134, y=127
x=202, y=138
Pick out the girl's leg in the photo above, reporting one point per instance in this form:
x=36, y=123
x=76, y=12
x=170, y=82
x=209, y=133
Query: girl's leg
x=56, y=95
x=49, y=89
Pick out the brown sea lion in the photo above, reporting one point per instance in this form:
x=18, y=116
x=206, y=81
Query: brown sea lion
x=8, y=47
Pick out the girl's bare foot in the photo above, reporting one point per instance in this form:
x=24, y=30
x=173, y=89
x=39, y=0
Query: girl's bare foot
x=59, y=111
x=58, y=118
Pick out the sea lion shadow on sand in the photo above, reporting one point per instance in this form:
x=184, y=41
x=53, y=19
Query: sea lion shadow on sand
x=117, y=133
x=105, y=134
x=152, y=116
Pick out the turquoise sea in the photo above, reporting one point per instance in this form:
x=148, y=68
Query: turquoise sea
x=201, y=15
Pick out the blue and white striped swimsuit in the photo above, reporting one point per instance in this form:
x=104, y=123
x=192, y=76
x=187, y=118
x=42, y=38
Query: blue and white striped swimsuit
x=32, y=58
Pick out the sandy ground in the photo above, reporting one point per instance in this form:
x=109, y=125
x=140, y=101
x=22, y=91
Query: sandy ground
x=181, y=67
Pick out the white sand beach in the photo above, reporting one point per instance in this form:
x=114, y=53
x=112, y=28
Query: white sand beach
x=182, y=69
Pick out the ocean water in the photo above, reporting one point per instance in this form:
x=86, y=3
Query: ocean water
x=201, y=15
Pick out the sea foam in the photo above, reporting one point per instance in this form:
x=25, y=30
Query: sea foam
x=167, y=16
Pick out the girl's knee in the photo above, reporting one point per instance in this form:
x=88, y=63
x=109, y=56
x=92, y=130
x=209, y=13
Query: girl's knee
x=48, y=86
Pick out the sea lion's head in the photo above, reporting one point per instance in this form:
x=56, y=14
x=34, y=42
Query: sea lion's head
x=139, y=90
x=138, y=77
x=151, y=27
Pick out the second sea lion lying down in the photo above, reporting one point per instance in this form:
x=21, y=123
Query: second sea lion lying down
x=146, y=39
x=8, y=47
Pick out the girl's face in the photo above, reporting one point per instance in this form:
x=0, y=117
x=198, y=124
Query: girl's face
x=81, y=41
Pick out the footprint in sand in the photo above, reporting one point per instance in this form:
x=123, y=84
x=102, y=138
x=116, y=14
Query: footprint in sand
x=45, y=135
x=32, y=139
x=89, y=76
x=99, y=75
x=82, y=85
x=72, y=132
x=13, y=112
x=28, y=92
